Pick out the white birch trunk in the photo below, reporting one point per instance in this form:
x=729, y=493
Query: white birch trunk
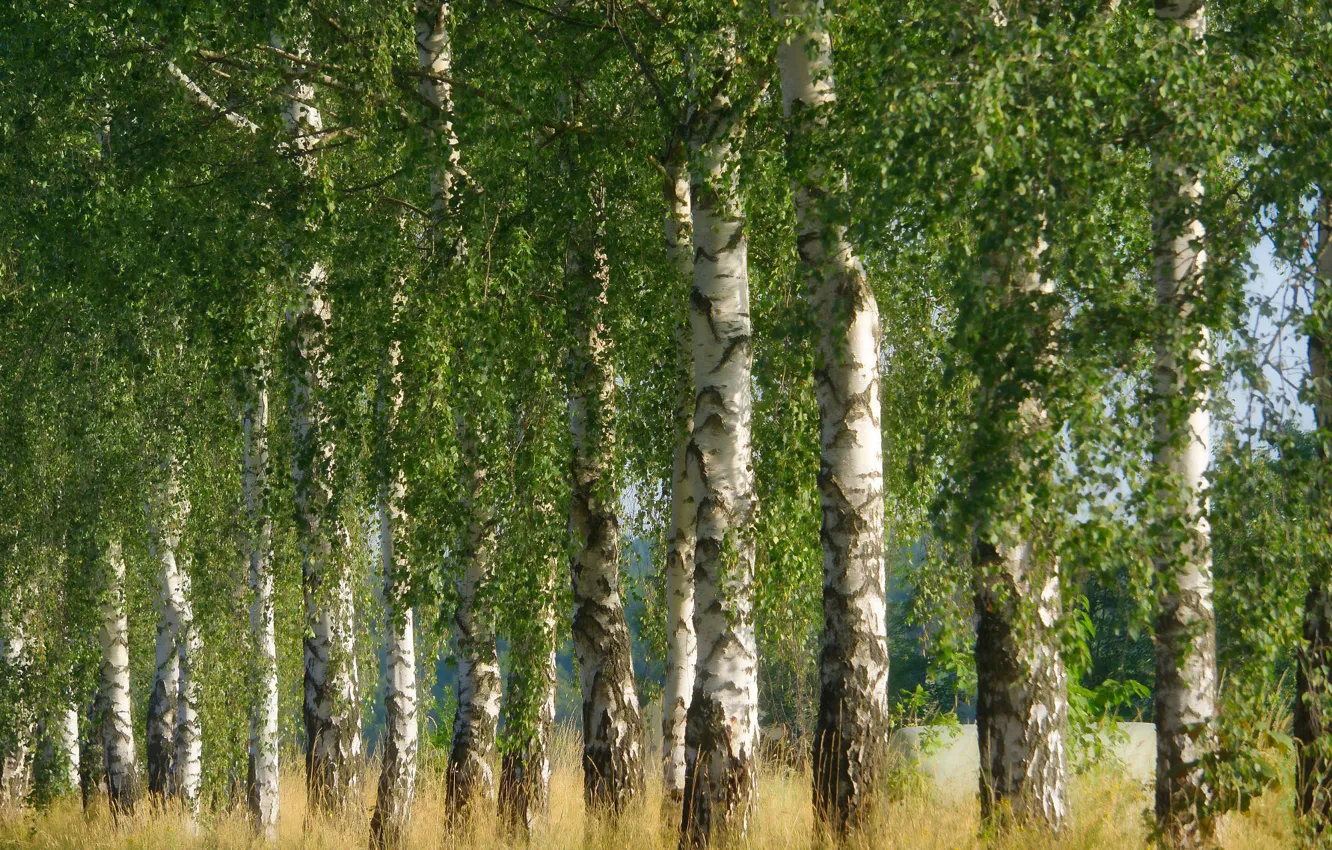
x=681, y=642
x=853, y=663
x=161, y=724
x=1022, y=688
x=331, y=706
x=262, y=774
x=476, y=722
x=612, y=722
x=1313, y=682
x=331, y=711
x=1186, y=672
x=397, y=778
x=174, y=738
x=116, y=720
x=435, y=61
x=1022, y=683
x=59, y=736
x=722, y=731
x=187, y=763
x=15, y=761
x=67, y=754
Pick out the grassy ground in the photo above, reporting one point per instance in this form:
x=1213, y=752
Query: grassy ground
x=1108, y=810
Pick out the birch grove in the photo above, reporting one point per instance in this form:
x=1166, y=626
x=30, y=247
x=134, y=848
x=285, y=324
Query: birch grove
x=760, y=350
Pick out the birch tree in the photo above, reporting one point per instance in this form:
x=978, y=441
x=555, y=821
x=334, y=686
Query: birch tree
x=853, y=663
x=612, y=722
x=262, y=775
x=15, y=765
x=470, y=776
x=63, y=735
x=1313, y=691
x=397, y=778
x=166, y=509
x=331, y=712
x=681, y=641
x=721, y=732
x=187, y=760
x=1022, y=685
x=1186, y=674
x=114, y=717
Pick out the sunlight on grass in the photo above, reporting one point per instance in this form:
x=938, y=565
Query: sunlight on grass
x=1109, y=812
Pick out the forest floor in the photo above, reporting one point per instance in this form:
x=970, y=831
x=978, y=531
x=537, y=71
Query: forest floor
x=1108, y=812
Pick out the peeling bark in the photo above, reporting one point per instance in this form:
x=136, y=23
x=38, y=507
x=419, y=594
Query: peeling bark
x=470, y=776
x=681, y=642
x=1313, y=682
x=1186, y=672
x=116, y=721
x=262, y=774
x=722, y=731
x=612, y=722
x=853, y=662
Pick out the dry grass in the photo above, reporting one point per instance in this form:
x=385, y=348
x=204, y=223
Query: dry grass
x=1109, y=814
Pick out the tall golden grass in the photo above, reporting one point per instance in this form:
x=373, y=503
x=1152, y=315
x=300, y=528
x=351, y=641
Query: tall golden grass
x=1109, y=812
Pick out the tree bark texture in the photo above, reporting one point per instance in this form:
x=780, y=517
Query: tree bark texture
x=173, y=734
x=721, y=732
x=262, y=774
x=331, y=707
x=435, y=62
x=1313, y=682
x=853, y=662
x=331, y=711
x=1022, y=683
x=612, y=722
x=397, y=777
x=64, y=739
x=681, y=641
x=1186, y=672
x=476, y=723
x=166, y=515
x=15, y=760
x=1022, y=688
x=116, y=721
